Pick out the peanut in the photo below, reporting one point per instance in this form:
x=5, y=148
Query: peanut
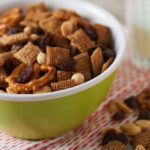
x=34, y=37
x=123, y=107
x=28, y=30
x=144, y=124
x=131, y=129
x=112, y=107
x=78, y=78
x=41, y=58
x=140, y=147
x=44, y=89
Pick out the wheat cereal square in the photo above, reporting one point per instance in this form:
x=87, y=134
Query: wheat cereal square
x=97, y=61
x=104, y=34
x=56, y=54
x=63, y=75
x=28, y=54
x=81, y=40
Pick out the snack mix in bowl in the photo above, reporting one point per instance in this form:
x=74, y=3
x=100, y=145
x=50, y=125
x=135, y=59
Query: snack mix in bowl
x=44, y=51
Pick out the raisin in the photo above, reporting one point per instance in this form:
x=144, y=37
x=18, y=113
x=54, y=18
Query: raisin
x=119, y=116
x=17, y=47
x=67, y=65
x=103, y=47
x=109, y=136
x=8, y=65
x=38, y=30
x=6, y=48
x=91, y=32
x=26, y=75
x=108, y=53
x=46, y=41
x=14, y=30
x=122, y=138
x=73, y=51
x=131, y=102
x=144, y=115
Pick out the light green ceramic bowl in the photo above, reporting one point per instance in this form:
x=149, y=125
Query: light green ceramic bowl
x=53, y=114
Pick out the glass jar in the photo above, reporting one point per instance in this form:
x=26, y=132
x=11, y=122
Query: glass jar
x=138, y=20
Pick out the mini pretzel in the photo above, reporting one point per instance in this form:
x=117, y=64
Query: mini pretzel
x=144, y=99
x=35, y=83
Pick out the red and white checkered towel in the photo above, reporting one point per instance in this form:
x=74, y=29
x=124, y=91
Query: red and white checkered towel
x=129, y=81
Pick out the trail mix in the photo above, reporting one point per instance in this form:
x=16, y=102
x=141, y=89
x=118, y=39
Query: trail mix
x=135, y=134
x=44, y=50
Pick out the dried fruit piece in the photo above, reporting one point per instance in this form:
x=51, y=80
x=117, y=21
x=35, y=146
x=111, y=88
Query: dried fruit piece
x=142, y=139
x=119, y=116
x=97, y=61
x=107, y=53
x=109, y=136
x=91, y=32
x=8, y=65
x=122, y=138
x=13, y=30
x=73, y=51
x=116, y=128
x=104, y=34
x=26, y=75
x=28, y=54
x=67, y=64
x=131, y=102
x=144, y=124
x=55, y=55
x=131, y=129
x=144, y=115
x=80, y=40
x=115, y=145
x=38, y=31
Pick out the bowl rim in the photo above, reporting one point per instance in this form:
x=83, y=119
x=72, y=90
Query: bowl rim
x=81, y=87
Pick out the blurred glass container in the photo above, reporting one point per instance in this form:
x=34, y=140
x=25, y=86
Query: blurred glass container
x=138, y=20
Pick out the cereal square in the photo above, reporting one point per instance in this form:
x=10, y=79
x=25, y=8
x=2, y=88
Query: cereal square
x=28, y=54
x=63, y=75
x=80, y=40
x=56, y=54
x=97, y=61
x=104, y=34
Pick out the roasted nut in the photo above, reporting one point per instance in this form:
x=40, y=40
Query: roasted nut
x=131, y=129
x=2, y=61
x=41, y=58
x=34, y=37
x=144, y=124
x=123, y=107
x=28, y=30
x=11, y=91
x=140, y=147
x=44, y=89
x=78, y=78
x=112, y=107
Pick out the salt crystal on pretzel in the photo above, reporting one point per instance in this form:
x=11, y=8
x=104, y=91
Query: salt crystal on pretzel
x=83, y=62
x=107, y=64
x=61, y=85
x=33, y=7
x=51, y=24
x=68, y=27
x=56, y=54
x=80, y=40
x=64, y=14
x=3, y=75
x=28, y=54
x=35, y=83
x=104, y=34
x=13, y=39
x=63, y=75
x=37, y=15
x=97, y=61
x=31, y=24
x=9, y=19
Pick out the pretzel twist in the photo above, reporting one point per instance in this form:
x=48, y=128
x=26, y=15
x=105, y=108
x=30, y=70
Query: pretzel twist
x=35, y=83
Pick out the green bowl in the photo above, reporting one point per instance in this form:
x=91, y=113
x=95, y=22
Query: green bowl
x=49, y=115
